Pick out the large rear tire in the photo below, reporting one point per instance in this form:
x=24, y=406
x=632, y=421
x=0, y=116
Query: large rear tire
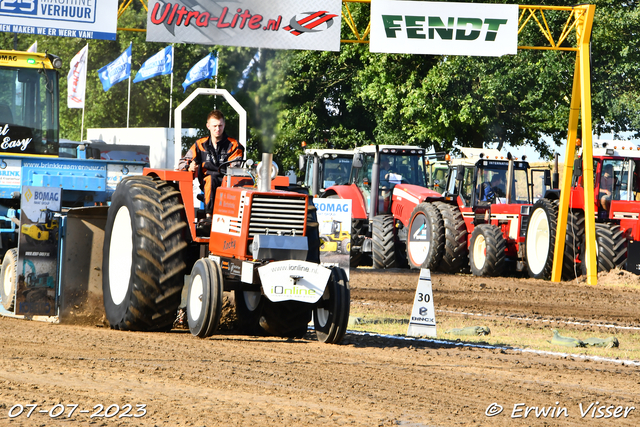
x=204, y=299
x=487, y=251
x=541, y=239
x=455, y=256
x=9, y=279
x=356, y=256
x=143, y=255
x=574, y=241
x=313, y=234
x=331, y=313
x=611, y=248
x=425, y=241
x=384, y=242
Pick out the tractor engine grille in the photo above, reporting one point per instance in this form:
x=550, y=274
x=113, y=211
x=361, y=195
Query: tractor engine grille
x=277, y=215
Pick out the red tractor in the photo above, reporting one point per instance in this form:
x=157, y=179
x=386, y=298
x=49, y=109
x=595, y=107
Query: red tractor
x=481, y=220
x=387, y=182
x=263, y=245
x=617, y=210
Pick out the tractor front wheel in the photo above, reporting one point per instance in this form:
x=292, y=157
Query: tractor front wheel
x=425, y=242
x=331, y=313
x=487, y=251
x=204, y=299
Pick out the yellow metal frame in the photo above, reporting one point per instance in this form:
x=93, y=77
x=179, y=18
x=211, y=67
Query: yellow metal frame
x=578, y=21
x=124, y=6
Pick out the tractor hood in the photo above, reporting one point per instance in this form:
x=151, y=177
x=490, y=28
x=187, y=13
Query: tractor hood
x=406, y=197
x=415, y=191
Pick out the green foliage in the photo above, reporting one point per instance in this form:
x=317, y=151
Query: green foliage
x=354, y=97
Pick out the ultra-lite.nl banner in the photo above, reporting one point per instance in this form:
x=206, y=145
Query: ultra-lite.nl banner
x=439, y=28
x=274, y=24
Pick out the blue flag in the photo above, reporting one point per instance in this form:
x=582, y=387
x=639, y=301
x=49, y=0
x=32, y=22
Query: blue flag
x=159, y=64
x=205, y=69
x=247, y=70
x=117, y=71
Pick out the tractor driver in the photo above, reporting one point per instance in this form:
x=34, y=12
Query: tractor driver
x=493, y=189
x=208, y=154
x=386, y=174
x=606, y=187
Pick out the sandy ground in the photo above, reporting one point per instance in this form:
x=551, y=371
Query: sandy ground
x=94, y=376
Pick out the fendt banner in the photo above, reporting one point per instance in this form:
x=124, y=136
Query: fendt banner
x=273, y=24
x=87, y=19
x=438, y=28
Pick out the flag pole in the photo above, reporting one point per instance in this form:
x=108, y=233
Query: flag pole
x=215, y=98
x=173, y=57
x=82, y=126
x=171, y=99
x=129, y=92
x=128, y=101
x=84, y=98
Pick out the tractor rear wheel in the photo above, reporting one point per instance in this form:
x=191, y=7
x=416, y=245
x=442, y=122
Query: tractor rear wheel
x=384, y=242
x=331, y=313
x=487, y=251
x=425, y=242
x=356, y=256
x=455, y=256
x=313, y=234
x=204, y=298
x=144, y=255
x=573, y=244
x=541, y=239
x=611, y=248
x=9, y=279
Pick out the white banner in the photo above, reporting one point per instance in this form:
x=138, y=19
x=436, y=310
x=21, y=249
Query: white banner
x=94, y=19
x=334, y=227
x=293, y=280
x=77, y=79
x=438, y=28
x=274, y=24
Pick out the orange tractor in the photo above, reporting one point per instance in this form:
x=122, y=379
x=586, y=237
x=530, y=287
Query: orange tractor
x=263, y=246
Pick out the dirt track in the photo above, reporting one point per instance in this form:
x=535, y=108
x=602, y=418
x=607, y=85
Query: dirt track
x=366, y=381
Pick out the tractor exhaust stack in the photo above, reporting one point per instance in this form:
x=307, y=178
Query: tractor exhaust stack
x=264, y=174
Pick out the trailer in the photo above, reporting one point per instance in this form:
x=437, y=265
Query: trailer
x=43, y=275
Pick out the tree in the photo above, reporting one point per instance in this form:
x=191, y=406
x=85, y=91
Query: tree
x=439, y=102
x=354, y=97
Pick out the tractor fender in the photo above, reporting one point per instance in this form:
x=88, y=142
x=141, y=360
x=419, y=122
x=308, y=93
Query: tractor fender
x=352, y=192
x=407, y=196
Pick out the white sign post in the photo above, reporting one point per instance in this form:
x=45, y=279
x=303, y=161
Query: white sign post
x=423, y=315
